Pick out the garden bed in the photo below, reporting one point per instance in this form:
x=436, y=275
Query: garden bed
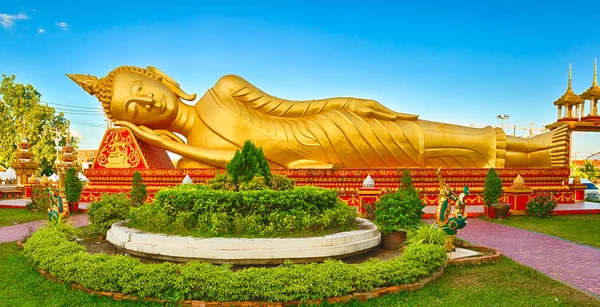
x=67, y=261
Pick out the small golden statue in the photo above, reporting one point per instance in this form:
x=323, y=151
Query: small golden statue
x=328, y=133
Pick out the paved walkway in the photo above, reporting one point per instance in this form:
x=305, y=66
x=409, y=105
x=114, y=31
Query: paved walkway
x=571, y=263
x=17, y=232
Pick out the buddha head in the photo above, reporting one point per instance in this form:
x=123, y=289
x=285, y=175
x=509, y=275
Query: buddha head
x=141, y=96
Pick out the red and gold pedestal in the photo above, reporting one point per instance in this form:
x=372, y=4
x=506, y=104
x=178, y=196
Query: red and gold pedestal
x=366, y=196
x=578, y=191
x=518, y=197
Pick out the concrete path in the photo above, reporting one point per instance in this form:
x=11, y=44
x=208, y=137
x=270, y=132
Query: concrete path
x=568, y=262
x=17, y=232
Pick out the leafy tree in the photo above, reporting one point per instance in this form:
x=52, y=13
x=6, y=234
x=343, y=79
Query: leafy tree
x=577, y=171
x=589, y=170
x=492, y=188
x=73, y=186
x=138, y=190
x=21, y=111
x=248, y=163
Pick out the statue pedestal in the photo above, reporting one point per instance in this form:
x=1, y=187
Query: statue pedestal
x=367, y=196
x=518, y=197
x=578, y=191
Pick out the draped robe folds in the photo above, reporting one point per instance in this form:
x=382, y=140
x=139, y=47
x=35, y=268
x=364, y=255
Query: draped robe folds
x=327, y=133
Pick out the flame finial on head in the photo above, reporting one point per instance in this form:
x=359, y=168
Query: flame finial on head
x=86, y=82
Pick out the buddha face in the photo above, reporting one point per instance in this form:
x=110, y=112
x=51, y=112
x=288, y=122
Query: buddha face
x=142, y=100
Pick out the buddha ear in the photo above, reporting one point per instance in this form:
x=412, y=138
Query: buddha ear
x=171, y=84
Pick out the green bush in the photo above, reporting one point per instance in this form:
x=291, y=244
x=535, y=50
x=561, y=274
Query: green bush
x=40, y=199
x=221, y=182
x=492, y=188
x=73, y=186
x=398, y=211
x=138, y=192
x=199, y=211
x=427, y=234
x=541, y=206
x=110, y=209
x=68, y=261
x=255, y=184
x=248, y=163
x=281, y=183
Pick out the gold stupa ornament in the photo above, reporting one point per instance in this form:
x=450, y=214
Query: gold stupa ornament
x=519, y=182
x=577, y=179
x=44, y=181
x=32, y=179
x=593, y=93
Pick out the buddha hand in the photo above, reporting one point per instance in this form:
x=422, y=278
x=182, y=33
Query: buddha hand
x=372, y=109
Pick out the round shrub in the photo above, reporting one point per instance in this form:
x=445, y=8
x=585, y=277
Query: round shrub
x=110, y=209
x=200, y=211
x=492, y=188
x=541, y=206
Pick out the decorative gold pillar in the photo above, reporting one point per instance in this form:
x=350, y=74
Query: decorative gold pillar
x=559, y=112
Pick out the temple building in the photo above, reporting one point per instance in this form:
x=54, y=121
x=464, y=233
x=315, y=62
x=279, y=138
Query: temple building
x=572, y=107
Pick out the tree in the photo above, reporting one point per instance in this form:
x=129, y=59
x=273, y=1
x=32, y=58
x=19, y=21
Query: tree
x=73, y=186
x=248, y=163
x=492, y=188
x=138, y=190
x=589, y=170
x=21, y=112
x=407, y=182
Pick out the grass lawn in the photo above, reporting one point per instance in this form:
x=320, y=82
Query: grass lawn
x=583, y=229
x=504, y=284
x=17, y=216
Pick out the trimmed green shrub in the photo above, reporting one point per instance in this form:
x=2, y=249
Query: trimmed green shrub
x=398, y=211
x=427, y=234
x=200, y=211
x=281, y=183
x=221, y=182
x=256, y=183
x=248, y=163
x=68, y=261
x=110, y=209
x=73, y=186
x=541, y=206
x=406, y=180
x=138, y=192
x=492, y=188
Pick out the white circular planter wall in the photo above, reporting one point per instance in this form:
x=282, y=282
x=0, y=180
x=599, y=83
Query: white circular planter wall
x=245, y=251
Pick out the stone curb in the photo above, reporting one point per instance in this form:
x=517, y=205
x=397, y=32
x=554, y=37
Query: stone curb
x=362, y=296
x=493, y=255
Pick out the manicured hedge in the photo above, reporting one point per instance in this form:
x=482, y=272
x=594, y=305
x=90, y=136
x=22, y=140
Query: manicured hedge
x=68, y=261
x=200, y=211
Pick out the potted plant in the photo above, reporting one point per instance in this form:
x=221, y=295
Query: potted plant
x=73, y=188
x=492, y=190
x=395, y=213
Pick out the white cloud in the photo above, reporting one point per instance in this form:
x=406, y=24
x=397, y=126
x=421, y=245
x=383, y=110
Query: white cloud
x=41, y=31
x=63, y=25
x=8, y=21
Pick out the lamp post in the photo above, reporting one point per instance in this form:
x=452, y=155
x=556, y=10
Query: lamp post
x=502, y=118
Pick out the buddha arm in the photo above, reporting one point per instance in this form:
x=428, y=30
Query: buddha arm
x=213, y=157
x=246, y=93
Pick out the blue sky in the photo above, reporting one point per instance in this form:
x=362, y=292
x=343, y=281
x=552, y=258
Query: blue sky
x=462, y=63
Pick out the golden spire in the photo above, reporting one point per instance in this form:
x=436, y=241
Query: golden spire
x=85, y=81
x=570, y=70
x=594, y=83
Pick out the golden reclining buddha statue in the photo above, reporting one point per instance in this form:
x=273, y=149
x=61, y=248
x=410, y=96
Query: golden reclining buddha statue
x=327, y=133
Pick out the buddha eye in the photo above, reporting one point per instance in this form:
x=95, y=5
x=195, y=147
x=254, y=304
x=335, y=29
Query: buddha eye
x=136, y=86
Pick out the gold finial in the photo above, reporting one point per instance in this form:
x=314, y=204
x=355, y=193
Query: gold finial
x=518, y=182
x=577, y=179
x=570, y=69
x=594, y=83
x=86, y=82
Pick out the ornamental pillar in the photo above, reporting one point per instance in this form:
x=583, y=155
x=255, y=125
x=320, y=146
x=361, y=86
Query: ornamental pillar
x=518, y=196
